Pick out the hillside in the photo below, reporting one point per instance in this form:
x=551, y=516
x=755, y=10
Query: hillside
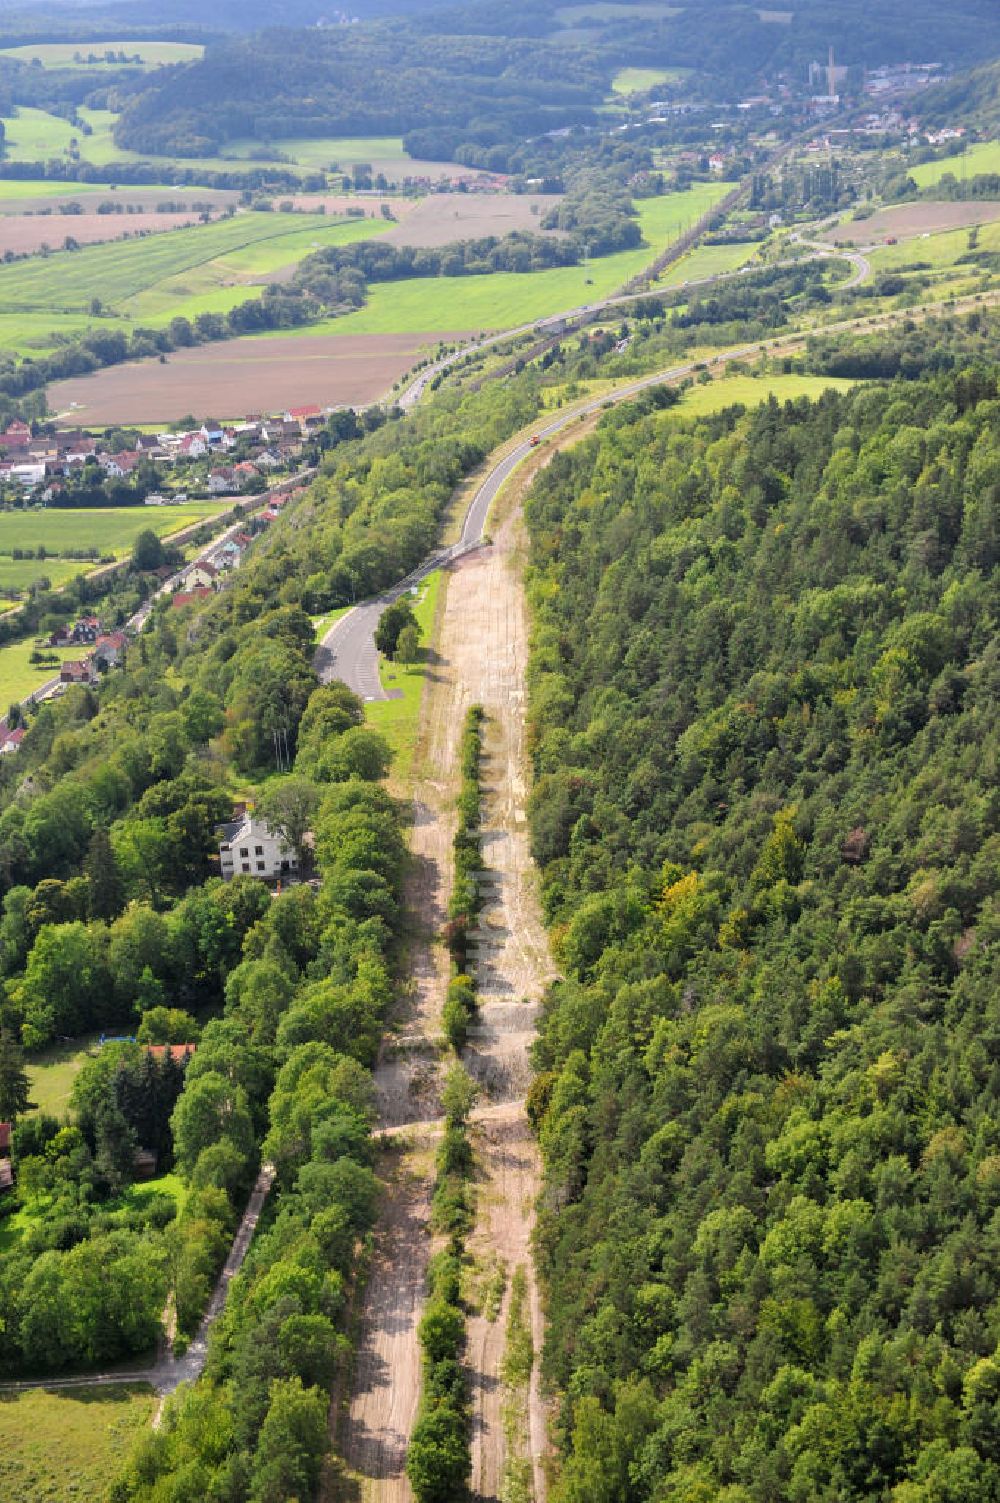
x=764, y=727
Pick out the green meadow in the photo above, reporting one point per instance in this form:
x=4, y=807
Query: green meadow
x=706, y=261
x=641, y=80
x=442, y=305
x=108, y=529
x=752, y=391
x=62, y=1446
x=19, y=573
x=937, y=251
x=982, y=157
x=18, y=676
x=64, y=54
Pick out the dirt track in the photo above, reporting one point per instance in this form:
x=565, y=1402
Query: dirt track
x=481, y=648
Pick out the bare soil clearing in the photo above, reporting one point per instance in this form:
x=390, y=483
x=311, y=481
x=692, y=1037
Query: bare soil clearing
x=481, y=651
x=444, y=217
x=908, y=220
x=26, y=233
x=242, y=375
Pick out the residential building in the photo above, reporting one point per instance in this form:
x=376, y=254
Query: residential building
x=248, y=845
x=79, y=671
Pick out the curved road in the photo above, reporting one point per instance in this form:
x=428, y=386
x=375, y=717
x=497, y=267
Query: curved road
x=347, y=651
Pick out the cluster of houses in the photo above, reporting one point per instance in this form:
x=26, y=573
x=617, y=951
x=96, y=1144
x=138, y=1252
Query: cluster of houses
x=264, y=444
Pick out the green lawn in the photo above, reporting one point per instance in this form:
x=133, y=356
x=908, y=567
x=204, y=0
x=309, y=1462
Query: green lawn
x=463, y=304
x=18, y=677
x=63, y=1446
x=983, y=157
x=399, y=719
x=52, y=1072
x=62, y=54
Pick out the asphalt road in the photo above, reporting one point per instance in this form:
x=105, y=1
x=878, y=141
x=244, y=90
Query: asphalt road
x=347, y=651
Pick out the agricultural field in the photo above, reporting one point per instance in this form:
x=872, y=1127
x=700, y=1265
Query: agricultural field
x=61, y=1446
x=939, y=252
x=238, y=376
x=444, y=217
x=20, y=573
x=905, y=221
x=16, y=192
x=26, y=234
x=108, y=529
x=982, y=157
x=507, y=299
x=205, y=268
x=707, y=261
x=75, y=54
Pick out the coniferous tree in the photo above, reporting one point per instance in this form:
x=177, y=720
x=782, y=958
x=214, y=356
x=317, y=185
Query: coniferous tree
x=14, y=1089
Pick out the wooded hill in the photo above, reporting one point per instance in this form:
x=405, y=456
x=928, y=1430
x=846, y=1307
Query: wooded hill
x=764, y=725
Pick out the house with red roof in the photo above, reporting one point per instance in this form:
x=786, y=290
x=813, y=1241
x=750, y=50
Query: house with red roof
x=10, y=741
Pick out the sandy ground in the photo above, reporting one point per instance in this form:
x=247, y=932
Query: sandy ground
x=907, y=220
x=237, y=376
x=481, y=647
x=444, y=217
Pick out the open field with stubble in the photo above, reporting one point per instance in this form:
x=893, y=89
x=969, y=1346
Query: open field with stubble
x=237, y=376
x=26, y=234
x=909, y=220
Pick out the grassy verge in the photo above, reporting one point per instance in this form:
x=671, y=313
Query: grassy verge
x=398, y=719
x=61, y=1447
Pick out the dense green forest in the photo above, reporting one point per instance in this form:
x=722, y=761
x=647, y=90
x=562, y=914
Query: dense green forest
x=763, y=719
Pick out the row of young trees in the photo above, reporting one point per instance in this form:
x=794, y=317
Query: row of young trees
x=763, y=721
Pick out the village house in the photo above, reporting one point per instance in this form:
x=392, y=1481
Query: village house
x=249, y=845
x=10, y=741
x=119, y=466
x=78, y=671
x=201, y=575
x=222, y=482
x=307, y=419
x=110, y=649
